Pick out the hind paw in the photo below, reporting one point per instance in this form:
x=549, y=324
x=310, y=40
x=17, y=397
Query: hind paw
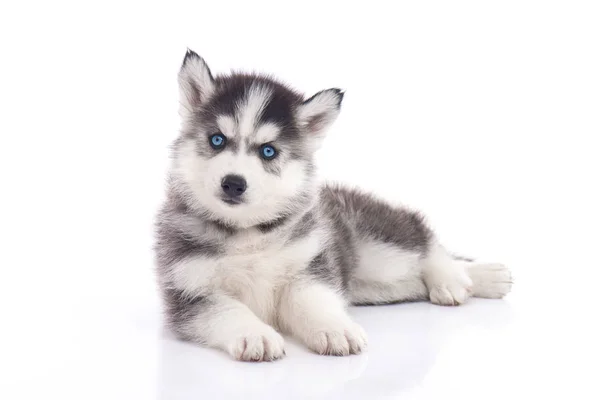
x=449, y=295
x=491, y=281
x=448, y=286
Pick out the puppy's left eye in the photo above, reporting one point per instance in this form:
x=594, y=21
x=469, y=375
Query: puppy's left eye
x=268, y=152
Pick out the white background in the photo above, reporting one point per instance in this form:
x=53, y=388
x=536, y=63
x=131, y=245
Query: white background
x=485, y=115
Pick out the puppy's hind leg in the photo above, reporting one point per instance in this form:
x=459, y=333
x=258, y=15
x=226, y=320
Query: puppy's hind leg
x=452, y=281
x=446, y=278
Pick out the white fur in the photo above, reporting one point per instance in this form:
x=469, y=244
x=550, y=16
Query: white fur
x=251, y=109
x=266, y=133
x=386, y=273
x=254, y=274
x=490, y=280
x=233, y=327
x=316, y=314
x=227, y=126
x=384, y=262
x=266, y=196
x=246, y=287
x=446, y=278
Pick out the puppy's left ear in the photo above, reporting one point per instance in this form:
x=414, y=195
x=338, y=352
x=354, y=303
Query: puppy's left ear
x=196, y=83
x=316, y=114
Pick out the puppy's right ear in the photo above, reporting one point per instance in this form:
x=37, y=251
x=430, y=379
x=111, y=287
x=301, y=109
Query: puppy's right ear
x=196, y=83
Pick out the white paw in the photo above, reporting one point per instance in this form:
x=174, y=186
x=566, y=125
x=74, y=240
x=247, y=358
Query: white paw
x=260, y=344
x=492, y=281
x=338, y=340
x=452, y=291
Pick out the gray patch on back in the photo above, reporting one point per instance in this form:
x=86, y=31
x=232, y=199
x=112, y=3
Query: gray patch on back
x=372, y=218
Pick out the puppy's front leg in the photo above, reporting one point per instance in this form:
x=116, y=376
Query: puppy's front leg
x=220, y=321
x=315, y=313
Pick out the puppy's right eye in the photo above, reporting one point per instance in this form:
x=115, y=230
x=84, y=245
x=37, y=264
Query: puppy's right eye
x=217, y=141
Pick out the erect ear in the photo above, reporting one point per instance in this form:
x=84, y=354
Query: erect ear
x=316, y=114
x=196, y=83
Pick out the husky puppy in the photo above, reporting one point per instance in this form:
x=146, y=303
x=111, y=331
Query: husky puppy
x=248, y=245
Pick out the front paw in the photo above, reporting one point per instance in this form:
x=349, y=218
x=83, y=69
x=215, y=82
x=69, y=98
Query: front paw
x=258, y=344
x=338, y=339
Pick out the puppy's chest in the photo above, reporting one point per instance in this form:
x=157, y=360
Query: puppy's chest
x=253, y=259
x=255, y=268
x=249, y=263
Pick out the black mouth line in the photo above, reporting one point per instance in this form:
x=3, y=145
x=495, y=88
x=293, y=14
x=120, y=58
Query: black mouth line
x=232, y=202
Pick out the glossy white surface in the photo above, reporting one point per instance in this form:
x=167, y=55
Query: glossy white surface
x=113, y=347
x=482, y=114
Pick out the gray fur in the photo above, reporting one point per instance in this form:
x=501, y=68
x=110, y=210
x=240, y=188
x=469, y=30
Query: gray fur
x=184, y=229
x=180, y=234
x=351, y=216
x=372, y=218
x=303, y=227
x=193, y=227
x=181, y=308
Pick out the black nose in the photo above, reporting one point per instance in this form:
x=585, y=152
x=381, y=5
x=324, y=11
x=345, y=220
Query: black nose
x=233, y=185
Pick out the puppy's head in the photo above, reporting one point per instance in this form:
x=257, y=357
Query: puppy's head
x=245, y=154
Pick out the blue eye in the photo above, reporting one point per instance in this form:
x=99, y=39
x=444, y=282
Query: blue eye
x=268, y=152
x=217, y=141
